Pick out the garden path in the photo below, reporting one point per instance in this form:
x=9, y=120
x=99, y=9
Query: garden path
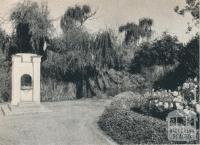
x=65, y=123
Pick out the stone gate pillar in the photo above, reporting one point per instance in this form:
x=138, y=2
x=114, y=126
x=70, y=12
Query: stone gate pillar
x=25, y=78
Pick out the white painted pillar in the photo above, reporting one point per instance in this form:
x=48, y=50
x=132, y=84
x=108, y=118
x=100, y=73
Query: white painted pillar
x=16, y=60
x=36, y=78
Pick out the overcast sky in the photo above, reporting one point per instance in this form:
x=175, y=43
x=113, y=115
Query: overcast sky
x=113, y=13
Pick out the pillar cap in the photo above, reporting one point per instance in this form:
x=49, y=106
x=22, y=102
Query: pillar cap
x=36, y=59
x=26, y=57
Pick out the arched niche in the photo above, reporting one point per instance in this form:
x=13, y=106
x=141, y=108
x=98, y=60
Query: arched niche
x=26, y=82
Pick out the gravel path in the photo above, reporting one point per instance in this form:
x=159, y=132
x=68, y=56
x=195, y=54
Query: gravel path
x=67, y=123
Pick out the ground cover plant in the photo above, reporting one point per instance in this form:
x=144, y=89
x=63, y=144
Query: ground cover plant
x=127, y=126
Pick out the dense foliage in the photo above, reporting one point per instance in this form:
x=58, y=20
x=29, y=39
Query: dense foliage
x=189, y=57
x=32, y=27
x=163, y=51
x=128, y=127
x=188, y=67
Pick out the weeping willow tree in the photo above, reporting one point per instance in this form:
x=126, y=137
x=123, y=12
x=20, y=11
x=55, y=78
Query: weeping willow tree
x=32, y=26
x=106, y=55
x=78, y=55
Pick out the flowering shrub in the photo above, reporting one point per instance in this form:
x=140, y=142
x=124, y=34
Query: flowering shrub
x=190, y=91
x=158, y=104
x=125, y=119
x=161, y=102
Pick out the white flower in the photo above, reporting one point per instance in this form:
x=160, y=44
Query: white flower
x=198, y=108
x=160, y=103
x=195, y=79
x=186, y=86
x=166, y=105
x=193, y=102
x=171, y=105
x=179, y=96
x=159, y=93
x=175, y=93
x=191, y=85
x=177, y=99
x=193, y=91
x=180, y=100
x=179, y=106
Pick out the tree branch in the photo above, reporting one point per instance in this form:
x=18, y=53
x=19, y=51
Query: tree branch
x=87, y=17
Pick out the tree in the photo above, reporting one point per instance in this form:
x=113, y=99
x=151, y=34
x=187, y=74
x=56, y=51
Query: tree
x=76, y=16
x=145, y=25
x=192, y=7
x=32, y=26
x=75, y=36
x=188, y=67
x=134, y=32
x=189, y=57
x=105, y=54
x=162, y=51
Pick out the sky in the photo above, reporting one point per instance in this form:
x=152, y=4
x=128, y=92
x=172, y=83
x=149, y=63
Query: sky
x=114, y=13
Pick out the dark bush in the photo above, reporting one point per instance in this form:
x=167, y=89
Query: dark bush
x=162, y=52
x=188, y=67
x=129, y=120
x=125, y=127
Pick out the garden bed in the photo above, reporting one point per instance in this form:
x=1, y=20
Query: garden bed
x=126, y=127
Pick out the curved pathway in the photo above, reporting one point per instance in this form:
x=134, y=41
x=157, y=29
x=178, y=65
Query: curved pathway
x=66, y=123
